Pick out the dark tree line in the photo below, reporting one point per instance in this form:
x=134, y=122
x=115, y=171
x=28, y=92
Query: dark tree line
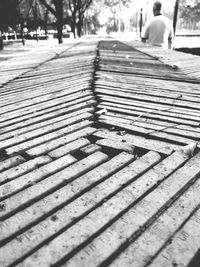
x=59, y=12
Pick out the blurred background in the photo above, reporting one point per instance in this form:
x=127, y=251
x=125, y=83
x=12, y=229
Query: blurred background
x=57, y=19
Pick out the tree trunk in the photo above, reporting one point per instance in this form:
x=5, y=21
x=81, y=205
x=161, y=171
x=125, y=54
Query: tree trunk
x=79, y=19
x=59, y=15
x=22, y=32
x=45, y=22
x=79, y=26
x=1, y=43
x=74, y=23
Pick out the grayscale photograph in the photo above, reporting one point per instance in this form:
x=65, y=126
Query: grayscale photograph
x=100, y=133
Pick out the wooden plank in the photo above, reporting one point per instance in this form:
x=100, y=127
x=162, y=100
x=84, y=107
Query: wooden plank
x=27, y=94
x=144, y=71
x=34, y=176
x=46, y=115
x=185, y=244
x=139, y=141
x=19, y=85
x=69, y=148
x=185, y=59
x=44, y=255
x=47, y=206
x=134, y=221
x=89, y=149
x=46, y=129
x=53, y=144
x=161, y=93
x=48, y=137
x=52, y=183
x=179, y=86
x=154, y=127
x=157, y=99
x=78, y=110
x=148, y=84
x=141, y=130
x=11, y=162
x=44, y=99
x=156, y=112
x=162, y=231
x=38, y=83
x=73, y=209
x=109, y=143
x=166, y=124
x=23, y=168
x=149, y=90
x=11, y=118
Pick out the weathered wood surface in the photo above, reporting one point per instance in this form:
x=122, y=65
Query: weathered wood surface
x=99, y=158
x=147, y=97
x=187, y=63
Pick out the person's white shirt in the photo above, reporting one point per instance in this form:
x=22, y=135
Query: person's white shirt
x=158, y=31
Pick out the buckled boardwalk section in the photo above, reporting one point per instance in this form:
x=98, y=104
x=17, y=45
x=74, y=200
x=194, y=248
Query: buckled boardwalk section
x=100, y=161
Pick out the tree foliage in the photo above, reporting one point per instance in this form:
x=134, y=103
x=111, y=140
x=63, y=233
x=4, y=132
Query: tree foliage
x=111, y=3
x=190, y=13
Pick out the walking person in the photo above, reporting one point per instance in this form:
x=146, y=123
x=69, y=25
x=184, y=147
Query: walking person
x=159, y=30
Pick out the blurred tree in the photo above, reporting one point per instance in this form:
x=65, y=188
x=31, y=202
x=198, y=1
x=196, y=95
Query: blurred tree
x=56, y=7
x=78, y=9
x=112, y=3
x=71, y=11
x=114, y=23
x=190, y=13
x=8, y=16
x=92, y=17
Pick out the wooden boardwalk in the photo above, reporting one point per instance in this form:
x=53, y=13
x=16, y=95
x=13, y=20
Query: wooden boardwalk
x=99, y=157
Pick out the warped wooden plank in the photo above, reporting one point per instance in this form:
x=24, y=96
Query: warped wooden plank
x=143, y=131
x=115, y=86
x=27, y=94
x=89, y=149
x=68, y=148
x=162, y=231
x=34, y=176
x=80, y=208
x=184, y=247
x=148, y=113
x=165, y=109
x=39, y=109
x=45, y=123
x=48, y=137
x=11, y=162
x=88, y=225
x=113, y=144
x=59, y=198
x=38, y=99
x=154, y=127
x=134, y=221
x=47, y=185
x=23, y=168
x=139, y=141
x=158, y=99
x=82, y=131
x=44, y=130
x=45, y=115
